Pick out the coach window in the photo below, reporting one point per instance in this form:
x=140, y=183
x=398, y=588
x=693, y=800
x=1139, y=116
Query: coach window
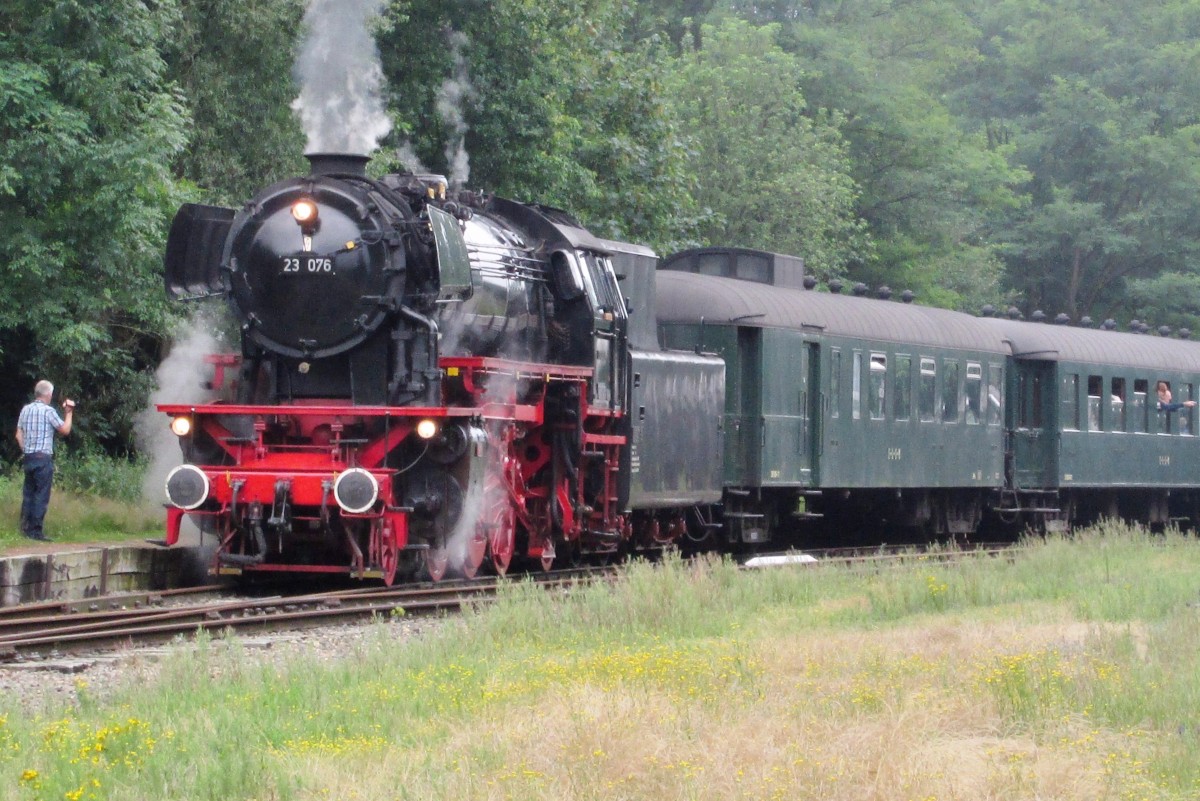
x=927, y=391
x=877, y=385
x=1117, y=403
x=713, y=264
x=835, y=384
x=1070, y=402
x=752, y=267
x=1185, y=415
x=902, y=388
x=1095, y=389
x=1029, y=399
x=949, y=391
x=995, y=394
x=973, y=394
x=856, y=387
x=1138, y=410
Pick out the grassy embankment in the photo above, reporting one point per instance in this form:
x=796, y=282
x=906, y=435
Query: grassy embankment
x=1069, y=672
x=94, y=499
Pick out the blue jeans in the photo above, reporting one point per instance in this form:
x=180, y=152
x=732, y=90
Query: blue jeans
x=35, y=496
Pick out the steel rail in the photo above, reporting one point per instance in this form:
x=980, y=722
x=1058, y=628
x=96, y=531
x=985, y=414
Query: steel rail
x=106, y=629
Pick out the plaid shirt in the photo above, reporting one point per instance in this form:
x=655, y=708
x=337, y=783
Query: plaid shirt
x=39, y=421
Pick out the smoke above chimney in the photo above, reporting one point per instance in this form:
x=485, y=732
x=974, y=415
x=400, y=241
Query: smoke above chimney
x=341, y=81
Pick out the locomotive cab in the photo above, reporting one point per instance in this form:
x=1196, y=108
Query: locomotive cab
x=588, y=320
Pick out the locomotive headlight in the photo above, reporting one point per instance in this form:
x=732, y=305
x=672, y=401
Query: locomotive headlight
x=187, y=487
x=427, y=429
x=304, y=212
x=355, y=490
x=181, y=426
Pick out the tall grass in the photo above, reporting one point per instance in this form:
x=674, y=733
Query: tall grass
x=1067, y=672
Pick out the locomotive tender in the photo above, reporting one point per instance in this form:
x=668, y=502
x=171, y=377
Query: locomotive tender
x=434, y=381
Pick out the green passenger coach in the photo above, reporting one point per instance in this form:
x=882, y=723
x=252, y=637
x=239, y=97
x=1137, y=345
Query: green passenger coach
x=1086, y=424
x=845, y=407
x=862, y=414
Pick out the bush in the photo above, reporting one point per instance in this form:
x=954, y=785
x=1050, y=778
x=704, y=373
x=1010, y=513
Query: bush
x=92, y=473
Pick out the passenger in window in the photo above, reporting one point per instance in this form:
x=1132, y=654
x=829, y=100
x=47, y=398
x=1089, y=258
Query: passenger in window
x=1165, y=404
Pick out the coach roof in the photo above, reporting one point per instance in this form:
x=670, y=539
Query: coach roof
x=1091, y=346
x=689, y=297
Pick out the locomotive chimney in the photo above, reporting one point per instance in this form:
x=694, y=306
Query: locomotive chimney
x=337, y=163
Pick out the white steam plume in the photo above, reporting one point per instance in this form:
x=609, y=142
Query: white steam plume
x=408, y=157
x=181, y=378
x=452, y=95
x=341, y=81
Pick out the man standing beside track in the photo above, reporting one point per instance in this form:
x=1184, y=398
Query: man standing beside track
x=35, y=435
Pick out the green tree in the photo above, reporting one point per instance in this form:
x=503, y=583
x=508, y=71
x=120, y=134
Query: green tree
x=559, y=110
x=232, y=60
x=88, y=126
x=1103, y=110
x=930, y=187
x=770, y=176
x=679, y=21
x=1171, y=299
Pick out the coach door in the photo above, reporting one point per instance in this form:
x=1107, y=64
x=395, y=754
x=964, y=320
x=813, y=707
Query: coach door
x=1034, y=424
x=744, y=426
x=787, y=419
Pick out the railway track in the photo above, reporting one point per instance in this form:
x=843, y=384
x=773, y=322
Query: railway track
x=96, y=625
x=55, y=629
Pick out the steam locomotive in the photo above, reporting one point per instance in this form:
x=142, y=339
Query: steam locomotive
x=435, y=381
x=431, y=380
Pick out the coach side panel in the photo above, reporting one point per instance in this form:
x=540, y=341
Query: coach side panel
x=905, y=416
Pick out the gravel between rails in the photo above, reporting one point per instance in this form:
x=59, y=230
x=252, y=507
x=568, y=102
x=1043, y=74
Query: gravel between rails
x=46, y=686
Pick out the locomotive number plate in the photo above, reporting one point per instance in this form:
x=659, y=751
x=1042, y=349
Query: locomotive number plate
x=306, y=265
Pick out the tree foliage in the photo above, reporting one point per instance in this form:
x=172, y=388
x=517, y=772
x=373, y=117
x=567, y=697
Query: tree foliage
x=769, y=176
x=930, y=187
x=232, y=61
x=561, y=109
x=1102, y=109
x=87, y=131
